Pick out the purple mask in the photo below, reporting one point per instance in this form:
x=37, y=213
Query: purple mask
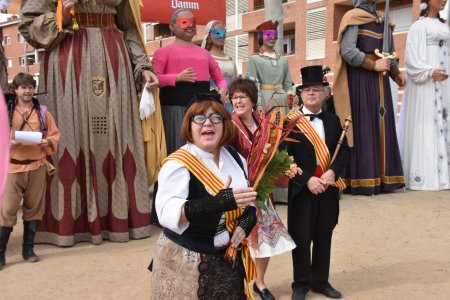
x=218, y=33
x=270, y=34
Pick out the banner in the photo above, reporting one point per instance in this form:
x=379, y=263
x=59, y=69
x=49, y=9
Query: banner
x=204, y=10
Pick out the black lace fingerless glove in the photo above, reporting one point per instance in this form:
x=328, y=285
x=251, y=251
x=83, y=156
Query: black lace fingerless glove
x=222, y=202
x=248, y=220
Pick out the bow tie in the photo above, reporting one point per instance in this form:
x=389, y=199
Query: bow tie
x=313, y=116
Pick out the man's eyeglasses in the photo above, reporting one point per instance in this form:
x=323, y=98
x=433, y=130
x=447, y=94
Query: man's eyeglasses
x=201, y=119
x=308, y=90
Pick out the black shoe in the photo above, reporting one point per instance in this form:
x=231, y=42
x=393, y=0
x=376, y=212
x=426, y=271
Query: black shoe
x=329, y=292
x=265, y=294
x=299, y=293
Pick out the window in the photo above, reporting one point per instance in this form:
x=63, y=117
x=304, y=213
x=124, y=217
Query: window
x=7, y=40
x=241, y=48
x=20, y=38
x=148, y=32
x=30, y=59
x=289, y=44
x=9, y=62
x=242, y=6
x=38, y=54
x=315, y=33
x=312, y=1
x=258, y=4
x=401, y=18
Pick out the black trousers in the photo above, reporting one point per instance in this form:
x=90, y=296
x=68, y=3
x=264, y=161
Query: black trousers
x=311, y=220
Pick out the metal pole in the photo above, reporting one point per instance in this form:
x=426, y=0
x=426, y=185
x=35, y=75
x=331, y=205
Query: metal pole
x=236, y=40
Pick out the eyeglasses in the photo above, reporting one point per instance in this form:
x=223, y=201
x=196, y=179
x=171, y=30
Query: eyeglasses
x=201, y=119
x=239, y=97
x=308, y=90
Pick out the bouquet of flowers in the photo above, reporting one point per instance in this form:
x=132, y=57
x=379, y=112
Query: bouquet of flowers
x=265, y=162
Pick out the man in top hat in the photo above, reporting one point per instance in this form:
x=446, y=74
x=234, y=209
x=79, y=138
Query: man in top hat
x=313, y=197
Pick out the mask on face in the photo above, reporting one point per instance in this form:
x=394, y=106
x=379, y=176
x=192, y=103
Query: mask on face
x=270, y=35
x=185, y=22
x=218, y=33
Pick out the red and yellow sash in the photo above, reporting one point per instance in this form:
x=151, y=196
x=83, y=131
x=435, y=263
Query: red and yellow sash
x=214, y=184
x=322, y=153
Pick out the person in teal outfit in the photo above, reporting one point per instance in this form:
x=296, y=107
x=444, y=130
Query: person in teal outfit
x=270, y=68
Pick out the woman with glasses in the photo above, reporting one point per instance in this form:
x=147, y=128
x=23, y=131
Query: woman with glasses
x=214, y=42
x=269, y=237
x=204, y=205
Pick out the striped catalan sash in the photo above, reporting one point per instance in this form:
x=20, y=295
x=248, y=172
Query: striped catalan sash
x=321, y=149
x=214, y=184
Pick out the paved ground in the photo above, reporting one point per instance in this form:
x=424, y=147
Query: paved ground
x=394, y=246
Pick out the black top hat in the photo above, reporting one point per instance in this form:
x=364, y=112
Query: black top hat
x=312, y=75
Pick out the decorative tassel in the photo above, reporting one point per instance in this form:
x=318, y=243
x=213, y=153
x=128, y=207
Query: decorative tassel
x=230, y=254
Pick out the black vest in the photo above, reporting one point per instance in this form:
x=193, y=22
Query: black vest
x=199, y=236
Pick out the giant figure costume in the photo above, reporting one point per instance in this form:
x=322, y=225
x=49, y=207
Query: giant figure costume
x=365, y=95
x=100, y=188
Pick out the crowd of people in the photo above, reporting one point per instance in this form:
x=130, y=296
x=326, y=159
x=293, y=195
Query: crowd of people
x=88, y=127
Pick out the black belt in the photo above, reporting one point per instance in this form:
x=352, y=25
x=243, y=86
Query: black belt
x=182, y=93
x=21, y=162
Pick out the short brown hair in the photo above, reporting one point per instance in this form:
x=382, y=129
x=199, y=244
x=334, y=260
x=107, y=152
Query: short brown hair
x=246, y=86
x=22, y=79
x=200, y=108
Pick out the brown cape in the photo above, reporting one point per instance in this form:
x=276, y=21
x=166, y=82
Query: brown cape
x=354, y=17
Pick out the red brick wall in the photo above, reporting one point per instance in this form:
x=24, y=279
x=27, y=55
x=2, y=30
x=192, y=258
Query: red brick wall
x=15, y=50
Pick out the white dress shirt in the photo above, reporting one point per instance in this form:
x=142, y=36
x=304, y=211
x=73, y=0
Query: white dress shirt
x=317, y=123
x=173, y=187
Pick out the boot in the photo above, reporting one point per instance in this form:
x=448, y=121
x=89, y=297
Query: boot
x=29, y=231
x=5, y=232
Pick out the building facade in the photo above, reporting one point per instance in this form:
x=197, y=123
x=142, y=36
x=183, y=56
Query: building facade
x=310, y=30
x=20, y=56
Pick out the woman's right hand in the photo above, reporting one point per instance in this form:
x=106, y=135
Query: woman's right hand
x=67, y=5
x=243, y=196
x=439, y=75
x=188, y=75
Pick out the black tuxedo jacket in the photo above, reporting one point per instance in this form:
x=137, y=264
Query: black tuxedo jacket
x=305, y=157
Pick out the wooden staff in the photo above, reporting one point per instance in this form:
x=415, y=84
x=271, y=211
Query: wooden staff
x=347, y=122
